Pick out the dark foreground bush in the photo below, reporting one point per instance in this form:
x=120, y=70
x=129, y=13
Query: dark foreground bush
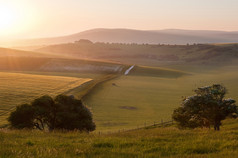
x=62, y=112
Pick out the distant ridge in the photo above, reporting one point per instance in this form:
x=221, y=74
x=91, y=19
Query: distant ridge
x=169, y=36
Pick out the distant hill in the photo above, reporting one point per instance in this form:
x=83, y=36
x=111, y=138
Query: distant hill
x=148, y=54
x=170, y=36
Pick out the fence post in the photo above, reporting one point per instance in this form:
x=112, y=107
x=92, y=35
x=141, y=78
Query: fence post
x=162, y=123
x=154, y=123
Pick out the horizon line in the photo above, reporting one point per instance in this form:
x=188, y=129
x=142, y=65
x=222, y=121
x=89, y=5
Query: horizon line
x=70, y=34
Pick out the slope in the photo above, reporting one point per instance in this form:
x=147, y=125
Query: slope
x=150, y=55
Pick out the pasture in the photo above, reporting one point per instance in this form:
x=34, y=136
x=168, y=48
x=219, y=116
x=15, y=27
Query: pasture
x=137, y=99
x=19, y=88
x=145, y=96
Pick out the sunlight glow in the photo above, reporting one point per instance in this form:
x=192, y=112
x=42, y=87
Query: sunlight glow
x=47, y=18
x=8, y=17
x=15, y=17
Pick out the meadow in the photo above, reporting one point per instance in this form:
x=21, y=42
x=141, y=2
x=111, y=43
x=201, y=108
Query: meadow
x=19, y=88
x=119, y=103
x=154, y=142
x=135, y=100
x=146, y=96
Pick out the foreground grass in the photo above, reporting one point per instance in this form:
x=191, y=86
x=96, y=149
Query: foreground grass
x=156, y=142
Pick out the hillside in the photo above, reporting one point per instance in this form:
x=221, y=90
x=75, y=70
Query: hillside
x=151, y=55
x=20, y=53
x=146, y=96
x=62, y=60
x=135, y=36
x=17, y=60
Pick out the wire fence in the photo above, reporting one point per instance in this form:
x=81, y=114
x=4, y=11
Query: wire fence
x=145, y=126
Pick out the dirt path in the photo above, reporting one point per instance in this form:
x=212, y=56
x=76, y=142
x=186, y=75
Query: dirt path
x=128, y=70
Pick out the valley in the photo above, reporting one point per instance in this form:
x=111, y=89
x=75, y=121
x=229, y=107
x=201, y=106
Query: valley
x=150, y=91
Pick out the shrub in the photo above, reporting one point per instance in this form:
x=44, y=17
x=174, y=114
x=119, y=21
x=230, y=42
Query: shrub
x=63, y=112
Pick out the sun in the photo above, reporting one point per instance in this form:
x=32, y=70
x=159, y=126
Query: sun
x=8, y=17
x=16, y=17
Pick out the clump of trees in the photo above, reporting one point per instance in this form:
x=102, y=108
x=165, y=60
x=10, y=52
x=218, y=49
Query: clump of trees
x=61, y=112
x=206, y=108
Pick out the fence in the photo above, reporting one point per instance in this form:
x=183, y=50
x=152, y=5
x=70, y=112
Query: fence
x=145, y=126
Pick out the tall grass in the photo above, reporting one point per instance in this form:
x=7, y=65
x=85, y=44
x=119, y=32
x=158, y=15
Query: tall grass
x=156, y=142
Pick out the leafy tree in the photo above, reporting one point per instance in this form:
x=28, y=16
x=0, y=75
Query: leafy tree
x=63, y=112
x=207, y=107
x=69, y=109
x=45, y=110
x=22, y=117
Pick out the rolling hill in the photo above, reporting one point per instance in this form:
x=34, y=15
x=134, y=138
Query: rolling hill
x=20, y=53
x=150, y=55
x=17, y=60
x=170, y=36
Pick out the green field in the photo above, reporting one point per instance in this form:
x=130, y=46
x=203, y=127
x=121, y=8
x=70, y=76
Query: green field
x=133, y=100
x=19, y=88
x=145, y=96
x=168, y=142
x=119, y=102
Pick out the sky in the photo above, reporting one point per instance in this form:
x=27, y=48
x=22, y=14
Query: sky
x=46, y=18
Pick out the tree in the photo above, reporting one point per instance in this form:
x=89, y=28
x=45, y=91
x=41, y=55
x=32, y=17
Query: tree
x=63, y=112
x=72, y=114
x=22, y=117
x=45, y=111
x=207, y=107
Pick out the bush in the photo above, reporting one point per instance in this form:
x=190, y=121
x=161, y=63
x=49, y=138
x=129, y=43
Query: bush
x=22, y=117
x=63, y=112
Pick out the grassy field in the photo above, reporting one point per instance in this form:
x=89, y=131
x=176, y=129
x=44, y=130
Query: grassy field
x=133, y=100
x=155, y=142
x=18, y=88
x=145, y=96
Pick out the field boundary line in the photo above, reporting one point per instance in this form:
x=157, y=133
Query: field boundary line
x=145, y=126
